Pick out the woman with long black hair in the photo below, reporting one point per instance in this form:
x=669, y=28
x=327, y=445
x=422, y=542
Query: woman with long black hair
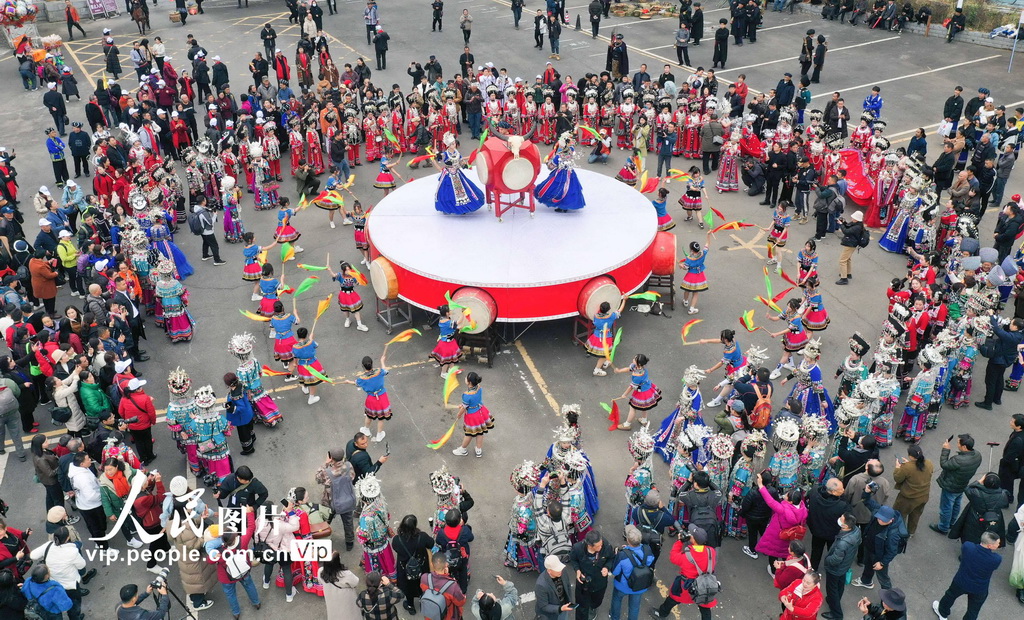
x=913, y=477
x=339, y=588
x=412, y=551
x=28, y=400
x=45, y=463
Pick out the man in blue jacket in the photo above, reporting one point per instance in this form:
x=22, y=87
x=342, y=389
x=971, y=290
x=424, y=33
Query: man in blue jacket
x=977, y=563
x=883, y=538
x=1004, y=355
x=632, y=557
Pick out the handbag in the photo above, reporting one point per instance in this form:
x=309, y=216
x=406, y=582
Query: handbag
x=206, y=447
x=795, y=532
x=60, y=415
x=320, y=530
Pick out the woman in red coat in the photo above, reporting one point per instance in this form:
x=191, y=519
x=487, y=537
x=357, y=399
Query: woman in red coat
x=802, y=599
x=138, y=406
x=795, y=566
x=13, y=548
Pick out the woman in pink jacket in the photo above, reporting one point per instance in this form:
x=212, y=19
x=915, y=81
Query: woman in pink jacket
x=785, y=514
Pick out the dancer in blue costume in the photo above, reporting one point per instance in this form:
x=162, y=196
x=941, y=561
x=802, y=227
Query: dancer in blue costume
x=568, y=438
x=809, y=389
x=163, y=241
x=895, y=237
x=456, y=194
x=686, y=414
x=601, y=339
x=562, y=189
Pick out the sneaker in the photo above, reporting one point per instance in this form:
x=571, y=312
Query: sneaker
x=266, y=584
x=693, y=310
x=348, y=322
x=305, y=390
x=288, y=598
x=478, y=452
x=379, y=437
x=770, y=572
x=256, y=297
x=842, y=281
x=362, y=327
x=299, y=250
x=715, y=402
x=290, y=378
x=686, y=303
x=73, y=520
x=750, y=553
x=135, y=543
x=88, y=576
x=935, y=608
x=273, y=334
x=204, y=605
x=313, y=400
x=346, y=222
x=605, y=364
x=365, y=430
x=600, y=373
x=218, y=263
x=860, y=584
x=775, y=374
x=207, y=257
x=156, y=570
x=460, y=451
x=332, y=226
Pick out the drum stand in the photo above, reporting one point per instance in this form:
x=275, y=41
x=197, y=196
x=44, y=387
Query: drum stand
x=503, y=203
x=581, y=330
x=487, y=340
x=394, y=313
x=666, y=282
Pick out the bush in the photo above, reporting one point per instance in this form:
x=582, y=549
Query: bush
x=982, y=16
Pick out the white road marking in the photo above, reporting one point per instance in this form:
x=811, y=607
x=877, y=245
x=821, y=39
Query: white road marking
x=527, y=597
x=835, y=49
x=784, y=26
x=904, y=77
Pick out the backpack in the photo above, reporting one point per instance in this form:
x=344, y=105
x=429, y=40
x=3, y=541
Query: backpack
x=642, y=576
x=761, y=415
x=35, y=610
x=413, y=569
x=705, y=587
x=903, y=536
x=433, y=604
x=114, y=394
x=236, y=565
x=705, y=518
x=865, y=238
x=648, y=535
x=194, y=223
x=8, y=401
x=456, y=555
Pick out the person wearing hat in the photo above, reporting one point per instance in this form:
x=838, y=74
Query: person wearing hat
x=55, y=149
x=693, y=556
x=652, y=519
x=956, y=23
x=554, y=591
x=10, y=229
x=807, y=53
x=973, y=577
x=721, y=51
x=380, y=47
x=138, y=406
x=80, y=143
x=112, y=61
x=853, y=234
x=55, y=106
x=617, y=58
x=885, y=537
x=893, y=607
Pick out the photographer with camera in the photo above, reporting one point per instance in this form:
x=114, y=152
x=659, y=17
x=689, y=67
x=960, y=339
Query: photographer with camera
x=593, y=560
x=696, y=583
x=652, y=519
x=893, y=606
x=490, y=607
x=109, y=424
x=130, y=598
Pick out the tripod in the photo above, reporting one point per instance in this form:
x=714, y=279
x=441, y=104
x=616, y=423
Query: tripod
x=188, y=612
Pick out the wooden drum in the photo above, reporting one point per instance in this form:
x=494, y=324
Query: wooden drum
x=480, y=304
x=663, y=259
x=597, y=290
x=383, y=279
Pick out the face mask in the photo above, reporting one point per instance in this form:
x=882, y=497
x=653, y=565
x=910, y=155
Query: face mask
x=840, y=522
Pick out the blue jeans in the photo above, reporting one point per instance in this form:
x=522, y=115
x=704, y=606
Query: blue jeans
x=593, y=159
x=997, y=191
x=474, y=124
x=779, y=5
x=633, y=600
x=28, y=79
x=949, y=508
x=554, y=45
x=343, y=167
x=232, y=595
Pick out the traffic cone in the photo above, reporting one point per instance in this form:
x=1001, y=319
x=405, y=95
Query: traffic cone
x=579, y=26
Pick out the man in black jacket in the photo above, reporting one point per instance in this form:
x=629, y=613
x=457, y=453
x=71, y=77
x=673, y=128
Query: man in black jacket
x=356, y=454
x=953, y=109
x=785, y=90
x=80, y=143
x=855, y=454
x=595, y=9
x=269, y=36
x=853, y=232
x=1011, y=464
x=824, y=507
x=1011, y=220
x=592, y=559
x=1005, y=354
x=942, y=169
x=241, y=489
x=54, y=103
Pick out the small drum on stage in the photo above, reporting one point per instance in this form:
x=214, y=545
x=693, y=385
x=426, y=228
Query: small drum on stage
x=597, y=290
x=383, y=279
x=480, y=304
x=663, y=259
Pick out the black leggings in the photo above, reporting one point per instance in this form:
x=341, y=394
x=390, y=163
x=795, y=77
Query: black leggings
x=669, y=603
x=755, y=529
x=286, y=567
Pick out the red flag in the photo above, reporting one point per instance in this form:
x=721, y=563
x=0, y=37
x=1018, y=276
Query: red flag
x=613, y=416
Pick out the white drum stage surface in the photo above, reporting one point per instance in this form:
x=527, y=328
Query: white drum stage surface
x=617, y=225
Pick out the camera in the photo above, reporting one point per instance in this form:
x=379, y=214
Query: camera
x=160, y=581
x=130, y=420
x=681, y=532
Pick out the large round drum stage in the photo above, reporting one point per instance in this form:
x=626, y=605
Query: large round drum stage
x=533, y=267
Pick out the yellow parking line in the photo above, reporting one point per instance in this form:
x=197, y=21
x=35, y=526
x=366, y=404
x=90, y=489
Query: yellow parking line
x=538, y=379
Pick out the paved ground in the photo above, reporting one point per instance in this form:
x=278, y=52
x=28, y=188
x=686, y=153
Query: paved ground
x=541, y=369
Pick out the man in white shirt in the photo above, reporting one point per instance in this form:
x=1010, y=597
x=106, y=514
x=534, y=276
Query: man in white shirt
x=87, y=496
x=64, y=561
